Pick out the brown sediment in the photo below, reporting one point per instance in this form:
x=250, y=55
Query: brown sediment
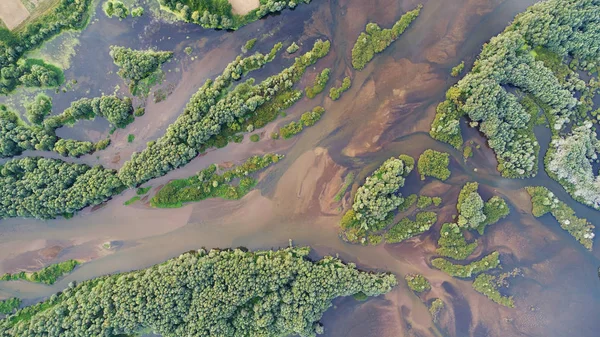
x=243, y=7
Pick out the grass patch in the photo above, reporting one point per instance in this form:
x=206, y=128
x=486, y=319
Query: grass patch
x=132, y=200
x=348, y=180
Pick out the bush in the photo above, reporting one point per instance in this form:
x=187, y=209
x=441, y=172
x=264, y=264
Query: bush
x=434, y=164
x=231, y=281
x=335, y=93
x=249, y=45
x=254, y=138
x=424, y=201
x=406, y=228
x=417, y=283
x=376, y=40
x=137, y=12
x=377, y=199
x=544, y=201
x=453, y=244
x=292, y=48
x=38, y=109
x=115, y=8
x=458, y=69
x=8, y=306
x=208, y=183
x=487, y=285
x=136, y=65
x=487, y=262
x=130, y=138
x=319, y=85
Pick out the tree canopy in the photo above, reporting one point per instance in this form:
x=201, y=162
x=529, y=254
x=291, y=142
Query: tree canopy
x=216, y=293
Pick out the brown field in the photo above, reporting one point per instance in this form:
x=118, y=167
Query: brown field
x=242, y=7
x=12, y=13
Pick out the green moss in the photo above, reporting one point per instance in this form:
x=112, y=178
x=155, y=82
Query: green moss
x=47, y=275
x=434, y=164
x=417, y=283
x=487, y=262
x=132, y=200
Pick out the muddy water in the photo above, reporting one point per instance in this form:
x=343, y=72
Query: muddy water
x=387, y=112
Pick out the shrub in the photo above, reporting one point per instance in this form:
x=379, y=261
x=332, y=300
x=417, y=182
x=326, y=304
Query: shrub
x=487, y=262
x=292, y=48
x=130, y=138
x=434, y=164
x=254, y=138
x=458, y=69
x=417, y=283
x=319, y=85
x=335, y=93
x=375, y=40
x=453, y=244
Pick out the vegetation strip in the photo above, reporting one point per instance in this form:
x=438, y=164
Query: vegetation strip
x=231, y=293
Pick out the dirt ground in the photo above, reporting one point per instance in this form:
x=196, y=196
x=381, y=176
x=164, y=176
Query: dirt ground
x=12, y=13
x=242, y=7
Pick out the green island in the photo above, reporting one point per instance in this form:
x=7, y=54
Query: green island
x=319, y=85
x=474, y=213
x=544, y=201
x=335, y=92
x=229, y=292
x=377, y=199
x=434, y=164
x=219, y=14
x=417, y=283
x=47, y=275
x=207, y=116
x=406, y=228
x=17, y=136
x=138, y=65
x=116, y=8
x=488, y=285
x=307, y=119
x=532, y=67
x=453, y=244
x=485, y=263
x=435, y=308
x=375, y=40
x=9, y=305
x=211, y=183
x=292, y=48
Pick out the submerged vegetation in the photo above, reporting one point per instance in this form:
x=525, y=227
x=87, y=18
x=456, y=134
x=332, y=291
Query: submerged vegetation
x=47, y=275
x=544, y=201
x=375, y=40
x=210, y=183
x=230, y=293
